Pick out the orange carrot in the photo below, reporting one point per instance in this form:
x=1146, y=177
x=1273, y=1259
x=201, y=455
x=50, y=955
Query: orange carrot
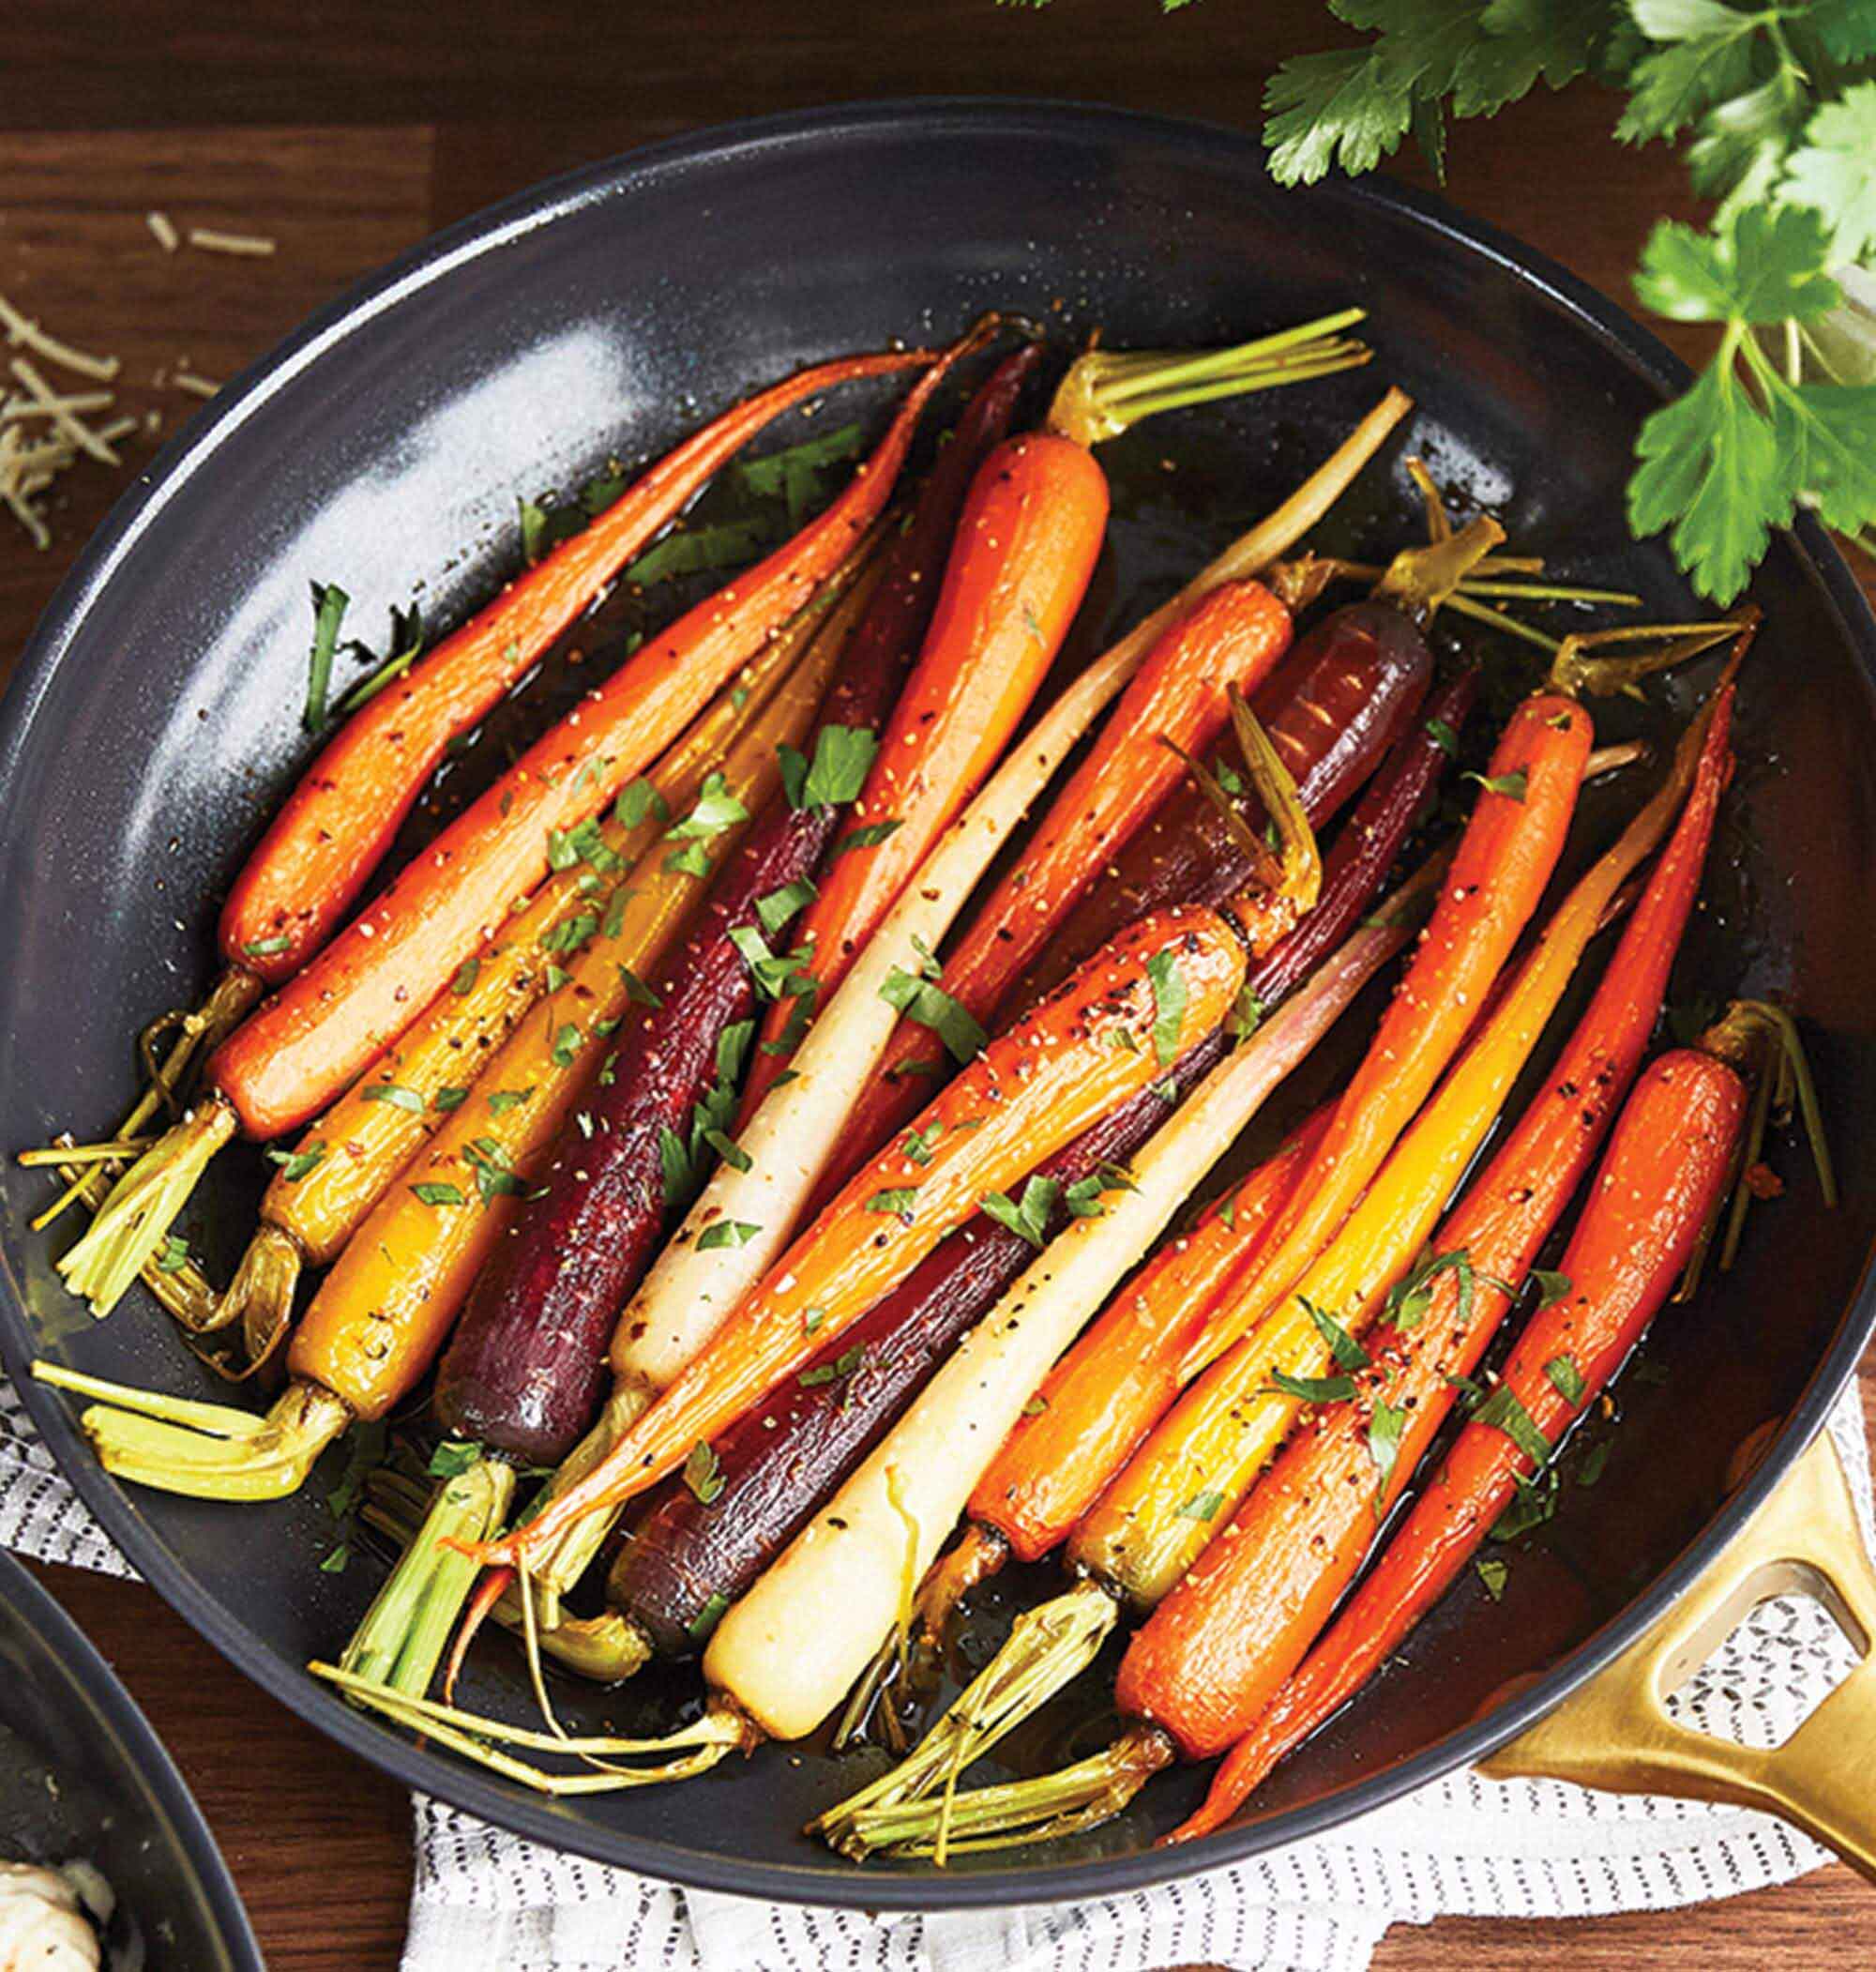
x=1034, y=1089
x=1504, y=859
x=349, y=804
x=1026, y=547
x=1234, y=636
x=1660, y=1184
x=1219, y=1646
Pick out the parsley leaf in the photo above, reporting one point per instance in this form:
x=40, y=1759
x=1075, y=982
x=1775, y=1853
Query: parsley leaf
x=1029, y=1217
x=726, y=1232
x=931, y=1007
x=1170, y=998
x=716, y=809
x=838, y=771
x=329, y=604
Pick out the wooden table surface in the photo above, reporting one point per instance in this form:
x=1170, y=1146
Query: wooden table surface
x=348, y=129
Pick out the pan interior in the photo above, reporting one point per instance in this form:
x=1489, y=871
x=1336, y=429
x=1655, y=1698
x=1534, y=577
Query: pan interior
x=160, y=723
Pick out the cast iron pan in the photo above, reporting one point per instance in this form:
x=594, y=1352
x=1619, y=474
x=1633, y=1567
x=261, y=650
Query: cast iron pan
x=82, y=1777
x=155, y=722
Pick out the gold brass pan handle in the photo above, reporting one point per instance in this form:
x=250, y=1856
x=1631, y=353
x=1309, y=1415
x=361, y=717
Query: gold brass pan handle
x=1615, y=1732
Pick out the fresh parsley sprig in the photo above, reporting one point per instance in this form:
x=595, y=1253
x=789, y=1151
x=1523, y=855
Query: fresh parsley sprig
x=1776, y=108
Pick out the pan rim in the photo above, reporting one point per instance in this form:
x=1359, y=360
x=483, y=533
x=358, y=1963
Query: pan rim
x=843, y=1886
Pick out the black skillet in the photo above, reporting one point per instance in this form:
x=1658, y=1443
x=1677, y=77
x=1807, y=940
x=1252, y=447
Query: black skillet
x=155, y=721
x=82, y=1777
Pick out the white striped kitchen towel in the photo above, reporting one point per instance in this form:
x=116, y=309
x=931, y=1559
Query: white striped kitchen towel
x=1464, y=1845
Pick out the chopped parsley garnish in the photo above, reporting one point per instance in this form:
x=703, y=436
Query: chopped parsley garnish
x=1443, y=737
x=1313, y=1390
x=266, y=948
x=706, y=1618
x=395, y=1094
x=843, y=1365
x=693, y=859
x=837, y=773
x=495, y=1175
x=1385, y=1427
x=715, y=810
x=1512, y=785
x=1566, y=1378
x=774, y=973
x=174, y=1255
x=295, y=1165
x=1553, y=1286
x=503, y=1099
x=866, y=836
x=452, y=1459
x=696, y=551
x=775, y=910
x=449, y=1098
x=1347, y=1353
x=931, y=1007
x=1493, y=1573
x=918, y=1145
x=329, y=604
x=1170, y=996
x=795, y=475
x=1503, y=1411
x=637, y=991
x=1029, y=1219
x=896, y=1201
x=465, y=977
x=433, y=1193
x=1201, y=1506
x=726, y=1232
x=637, y=799
x=704, y=1472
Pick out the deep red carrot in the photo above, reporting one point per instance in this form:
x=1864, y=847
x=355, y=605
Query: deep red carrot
x=1334, y=706
x=1222, y=1643
x=335, y=825
x=1662, y=1182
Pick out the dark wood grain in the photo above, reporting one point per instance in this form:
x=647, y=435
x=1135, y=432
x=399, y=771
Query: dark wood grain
x=348, y=128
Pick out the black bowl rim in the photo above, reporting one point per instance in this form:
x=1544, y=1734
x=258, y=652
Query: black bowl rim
x=951, y=118
x=41, y=1611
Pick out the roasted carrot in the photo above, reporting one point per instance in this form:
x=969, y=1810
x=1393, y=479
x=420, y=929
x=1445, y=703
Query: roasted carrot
x=1218, y=1647
x=1025, y=548
x=288, y=1059
x=1029, y=1093
x=1503, y=863
x=991, y=639
x=1662, y=1181
x=1175, y=706
x=383, y=1310
x=339, y=821
x=353, y=1154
